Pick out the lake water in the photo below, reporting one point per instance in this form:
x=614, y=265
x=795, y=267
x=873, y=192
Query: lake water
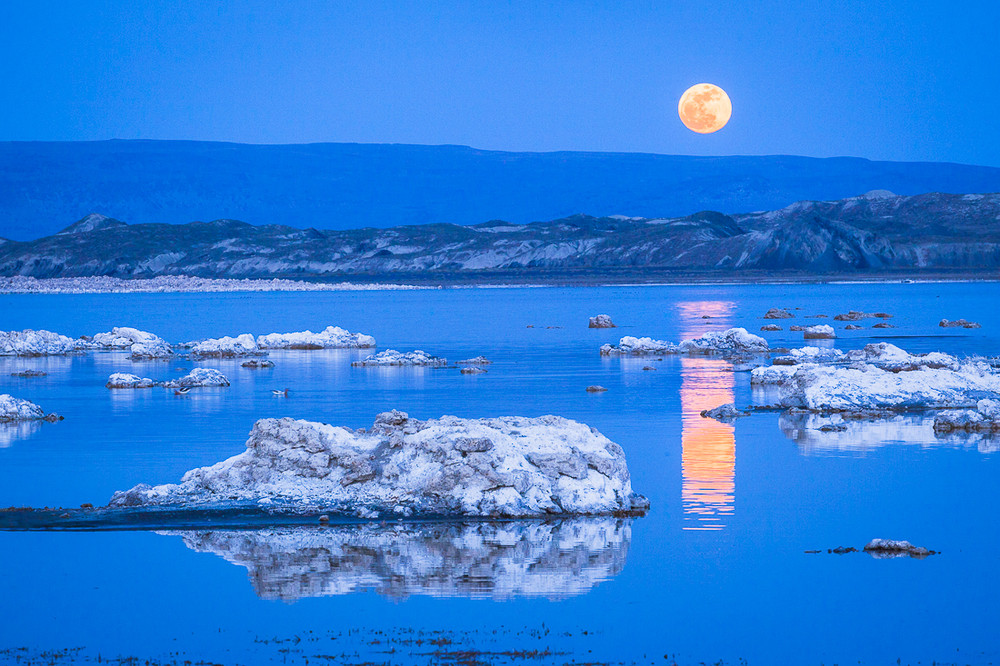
x=716, y=571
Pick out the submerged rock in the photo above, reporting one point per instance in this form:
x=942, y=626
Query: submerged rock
x=227, y=347
x=473, y=370
x=555, y=559
x=819, y=332
x=28, y=373
x=958, y=323
x=797, y=328
x=858, y=315
x=883, y=324
x=30, y=342
x=770, y=327
x=331, y=337
x=601, y=321
x=402, y=466
x=596, y=389
x=853, y=327
x=479, y=360
x=16, y=410
x=724, y=413
x=888, y=548
x=391, y=357
x=199, y=377
x=125, y=380
x=257, y=363
x=778, y=313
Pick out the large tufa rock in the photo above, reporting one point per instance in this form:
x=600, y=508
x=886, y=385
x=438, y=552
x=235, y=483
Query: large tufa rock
x=391, y=357
x=601, y=321
x=819, y=332
x=17, y=410
x=507, y=466
x=227, y=347
x=331, y=337
x=30, y=342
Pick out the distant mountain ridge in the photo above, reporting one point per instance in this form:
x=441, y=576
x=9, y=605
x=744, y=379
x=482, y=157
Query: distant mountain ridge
x=340, y=186
x=876, y=233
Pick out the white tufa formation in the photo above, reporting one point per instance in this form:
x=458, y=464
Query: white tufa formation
x=227, y=347
x=391, y=357
x=38, y=343
x=507, y=466
x=731, y=342
x=332, y=337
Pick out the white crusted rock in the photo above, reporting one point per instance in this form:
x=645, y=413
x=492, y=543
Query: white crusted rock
x=532, y=467
x=16, y=410
x=730, y=341
x=632, y=346
x=227, y=347
x=125, y=380
x=141, y=344
x=30, y=342
x=819, y=332
x=331, y=337
x=199, y=377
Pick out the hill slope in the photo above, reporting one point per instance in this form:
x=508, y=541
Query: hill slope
x=340, y=186
x=875, y=233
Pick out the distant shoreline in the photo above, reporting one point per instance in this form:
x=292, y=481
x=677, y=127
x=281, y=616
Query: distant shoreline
x=187, y=284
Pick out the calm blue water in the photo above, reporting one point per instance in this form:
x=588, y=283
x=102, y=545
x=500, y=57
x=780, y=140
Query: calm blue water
x=715, y=571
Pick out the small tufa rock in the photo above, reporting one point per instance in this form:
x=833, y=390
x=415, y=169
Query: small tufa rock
x=889, y=548
x=958, y=323
x=883, y=324
x=724, y=413
x=473, y=371
x=648, y=367
x=820, y=332
x=797, y=328
x=770, y=327
x=29, y=373
x=601, y=321
x=479, y=360
x=778, y=313
x=257, y=363
x=596, y=389
x=853, y=327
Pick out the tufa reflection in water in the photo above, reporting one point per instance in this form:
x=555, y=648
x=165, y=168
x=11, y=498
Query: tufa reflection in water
x=498, y=561
x=708, y=447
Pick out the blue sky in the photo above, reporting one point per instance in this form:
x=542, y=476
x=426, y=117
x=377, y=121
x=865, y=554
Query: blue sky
x=892, y=79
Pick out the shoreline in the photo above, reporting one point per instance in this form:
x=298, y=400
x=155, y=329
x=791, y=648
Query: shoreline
x=187, y=284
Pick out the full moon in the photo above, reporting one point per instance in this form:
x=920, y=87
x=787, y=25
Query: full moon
x=705, y=108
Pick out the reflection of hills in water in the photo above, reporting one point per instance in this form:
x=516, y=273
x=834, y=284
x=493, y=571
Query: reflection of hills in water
x=708, y=447
x=555, y=560
x=830, y=434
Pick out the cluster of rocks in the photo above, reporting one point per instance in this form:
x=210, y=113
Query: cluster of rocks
x=858, y=315
x=958, y=323
x=507, y=466
x=198, y=377
x=391, y=358
x=28, y=373
x=257, y=363
x=984, y=418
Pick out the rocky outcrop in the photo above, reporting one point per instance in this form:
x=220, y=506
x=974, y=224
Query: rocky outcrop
x=30, y=342
x=858, y=315
x=18, y=410
x=391, y=358
x=601, y=321
x=227, y=347
x=331, y=337
x=257, y=363
x=556, y=559
x=507, y=466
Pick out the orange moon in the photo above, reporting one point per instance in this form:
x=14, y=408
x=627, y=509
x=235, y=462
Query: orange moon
x=705, y=108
